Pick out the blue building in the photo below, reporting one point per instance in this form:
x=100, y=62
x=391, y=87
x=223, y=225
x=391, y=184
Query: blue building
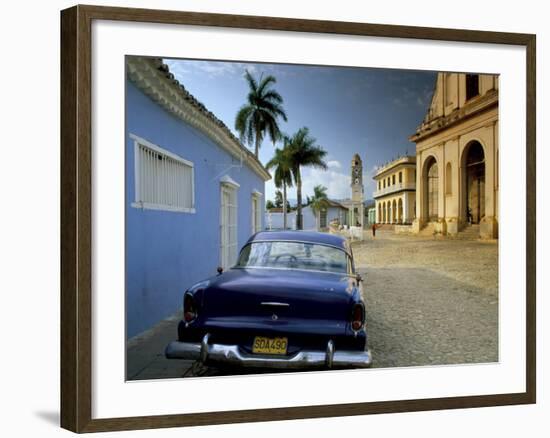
x=320, y=220
x=194, y=193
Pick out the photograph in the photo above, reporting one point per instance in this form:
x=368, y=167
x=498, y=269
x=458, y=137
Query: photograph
x=296, y=218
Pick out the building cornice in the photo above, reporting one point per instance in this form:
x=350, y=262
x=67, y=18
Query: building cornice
x=151, y=76
x=407, y=161
x=472, y=108
x=459, y=130
x=395, y=189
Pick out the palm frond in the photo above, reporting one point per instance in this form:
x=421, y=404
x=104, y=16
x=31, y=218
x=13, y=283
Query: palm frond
x=241, y=120
x=272, y=96
x=281, y=163
x=259, y=117
x=252, y=83
x=265, y=83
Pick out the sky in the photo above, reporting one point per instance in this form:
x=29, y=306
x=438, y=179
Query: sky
x=348, y=110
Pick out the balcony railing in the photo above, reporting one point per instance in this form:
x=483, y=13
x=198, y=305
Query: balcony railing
x=394, y=188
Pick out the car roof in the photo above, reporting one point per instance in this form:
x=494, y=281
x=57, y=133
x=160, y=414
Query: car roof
x=302, y=236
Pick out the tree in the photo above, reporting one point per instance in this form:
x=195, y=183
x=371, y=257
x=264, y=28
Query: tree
x=304, y=153
x=269, y=204
x=278, y=199
x=319, y=201
x=261, y=113
x=283, y=176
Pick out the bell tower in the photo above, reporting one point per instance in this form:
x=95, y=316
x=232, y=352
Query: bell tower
x=356, y=179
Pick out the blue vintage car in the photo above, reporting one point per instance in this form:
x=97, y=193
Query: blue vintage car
x=292, y=301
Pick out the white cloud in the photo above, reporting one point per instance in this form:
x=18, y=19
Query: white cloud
x=338, y=184
x=369, y=183
x=334, y=164
x=215, y=69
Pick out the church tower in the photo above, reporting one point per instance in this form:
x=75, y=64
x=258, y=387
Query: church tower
x=356, y=179
x=355, y=206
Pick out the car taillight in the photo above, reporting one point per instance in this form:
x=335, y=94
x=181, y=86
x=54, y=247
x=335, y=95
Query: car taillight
x=189, y=308
x=357, y=316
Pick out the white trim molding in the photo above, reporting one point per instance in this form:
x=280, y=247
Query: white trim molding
x=227, y=180
x=149, y=206
x=160, y=150
x=256, y=211
x=168, y=93
x=172, y=196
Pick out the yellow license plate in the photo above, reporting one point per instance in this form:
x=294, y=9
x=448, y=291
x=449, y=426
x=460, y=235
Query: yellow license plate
x=263, y=345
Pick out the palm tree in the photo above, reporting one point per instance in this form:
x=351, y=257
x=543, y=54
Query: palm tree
x=259, y=116
x=278, y=199
x=283, y=174
x=318, y=201
x=304, y=153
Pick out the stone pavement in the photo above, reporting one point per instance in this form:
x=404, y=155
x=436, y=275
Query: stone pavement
x=145, y=353
x=420, y=317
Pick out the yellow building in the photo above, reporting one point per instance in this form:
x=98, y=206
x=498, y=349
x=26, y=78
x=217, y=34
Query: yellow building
x=395, y=191
x=457, y=157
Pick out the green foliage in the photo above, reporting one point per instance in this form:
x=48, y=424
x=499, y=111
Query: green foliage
x=279, y=200
x=259, y=116
x=282, y=163
x=303, y=152
x=319, y=199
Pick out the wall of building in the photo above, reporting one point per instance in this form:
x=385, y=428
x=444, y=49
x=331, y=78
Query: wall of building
x=275, y=220
x=167, y=252
x=450, y=93
x=391, y=178
x=310, y=223
x=395, y=192
x=371, y=216
x=337, y=213
x=449, y=146
x=390, y=204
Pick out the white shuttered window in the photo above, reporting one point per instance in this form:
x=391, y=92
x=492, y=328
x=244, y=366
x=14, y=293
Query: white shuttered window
x=164, y=181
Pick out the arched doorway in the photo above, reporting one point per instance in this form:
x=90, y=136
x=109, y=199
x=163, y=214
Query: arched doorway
x=474, y=178
x=384, y=213
x=394, y=212
x=400, y=211
x=379, y=213
x=431, y=189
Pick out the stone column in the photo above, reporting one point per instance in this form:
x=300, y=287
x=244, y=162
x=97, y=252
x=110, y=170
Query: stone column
x=406, y=217
x=452, y=208
x=488, y=226
x=441, y=224
x=418, y=222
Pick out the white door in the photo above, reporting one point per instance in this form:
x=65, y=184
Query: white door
x=228, y=227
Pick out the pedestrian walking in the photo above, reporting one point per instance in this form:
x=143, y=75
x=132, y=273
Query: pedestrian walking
x=373, y=231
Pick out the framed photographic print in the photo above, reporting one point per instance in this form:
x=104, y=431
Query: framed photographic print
x=268, y=218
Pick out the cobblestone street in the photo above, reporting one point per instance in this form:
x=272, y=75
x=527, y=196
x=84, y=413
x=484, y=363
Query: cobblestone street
x=429, y=302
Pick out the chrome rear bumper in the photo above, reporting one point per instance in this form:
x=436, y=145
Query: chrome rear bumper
x=232, y=355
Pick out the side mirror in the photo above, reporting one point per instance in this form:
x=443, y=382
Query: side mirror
x=220, y=270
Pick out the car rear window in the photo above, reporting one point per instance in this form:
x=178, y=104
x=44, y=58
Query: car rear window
x=294, y=255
